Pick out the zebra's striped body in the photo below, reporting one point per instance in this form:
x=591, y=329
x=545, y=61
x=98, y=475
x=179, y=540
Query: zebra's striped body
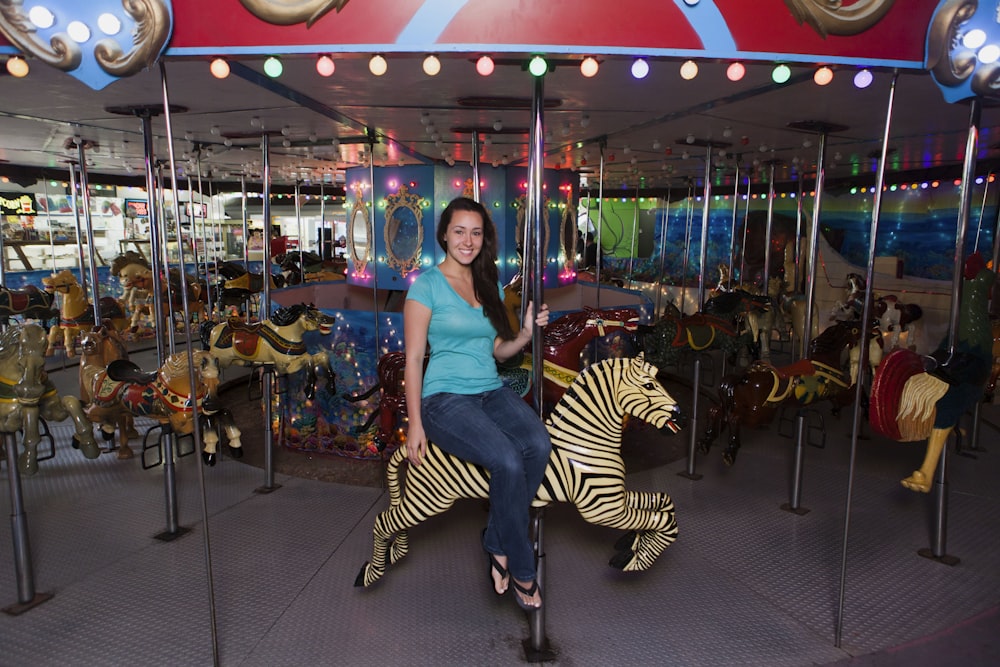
x=585, y=468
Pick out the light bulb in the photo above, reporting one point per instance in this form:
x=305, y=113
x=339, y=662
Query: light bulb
x=823, y=76
x=589, y=67
x=537, y=66
x=640, y=68
x=863, y=79
x=689, y=70
x=432, y=65
x=273, y=67
x=484, y=65
x=219, y=68
x=17, y=67
x=497, y=125
x=736, y=71
x=377, y=65
x=325, y=66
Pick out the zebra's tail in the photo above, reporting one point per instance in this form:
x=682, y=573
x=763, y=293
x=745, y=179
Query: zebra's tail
x=392, y=477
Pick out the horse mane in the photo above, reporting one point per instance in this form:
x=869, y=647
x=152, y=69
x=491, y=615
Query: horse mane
x=125, y=259
x=287, y=315
x=10, y=341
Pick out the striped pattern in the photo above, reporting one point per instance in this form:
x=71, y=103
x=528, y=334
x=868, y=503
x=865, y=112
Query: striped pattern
x=585, y=468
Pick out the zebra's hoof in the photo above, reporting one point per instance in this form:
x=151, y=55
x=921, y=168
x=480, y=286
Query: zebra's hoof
x=209, y=459
x=360, y=580
x=621, y=560
x=236, y=452
x=626, y=542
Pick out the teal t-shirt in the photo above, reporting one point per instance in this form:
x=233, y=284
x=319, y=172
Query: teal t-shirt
x=460, y=337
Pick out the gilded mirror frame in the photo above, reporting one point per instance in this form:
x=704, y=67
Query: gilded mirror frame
x=569, y=235
x=403, y=199
x=360, y=209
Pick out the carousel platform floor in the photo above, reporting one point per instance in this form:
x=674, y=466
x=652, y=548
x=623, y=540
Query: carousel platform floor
x=745, y=584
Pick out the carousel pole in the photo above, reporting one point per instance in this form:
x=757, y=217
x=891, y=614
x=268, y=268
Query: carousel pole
x=156, y=231
x=866, y=313
x=746, y=227
x=204, y=233
x=600, y=222
x=768, y=227
x=27, y=597
x=736, y=207
x=939, y=537
x=663, y=256
x=476, y=188
x=374, y=241
x=246, y=232
x=75, y=194
x=795, y=502
x=191, y=373
x=536, y=646
x=95, y=291
x=635, y=232
x=689, y=472
x=298, y=227
x=48, y=222
x=687, y=246
x=164, y=274
x=977, y=411
x=322, y=223
x=265, y=313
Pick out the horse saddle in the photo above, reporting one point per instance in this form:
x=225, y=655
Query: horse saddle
x=798, y=369
x=20, y=300
x=123, y=370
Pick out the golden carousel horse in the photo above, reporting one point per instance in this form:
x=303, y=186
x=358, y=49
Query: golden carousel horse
x=98, y=348
x=76, y=313
x=277, y=342
x=27, y=394
x=166, y=395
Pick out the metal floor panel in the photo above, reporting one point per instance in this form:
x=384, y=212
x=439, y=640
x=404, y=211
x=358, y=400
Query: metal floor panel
x=745, y=584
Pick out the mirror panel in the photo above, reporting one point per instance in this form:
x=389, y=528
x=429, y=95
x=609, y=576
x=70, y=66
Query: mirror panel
x=404, y=231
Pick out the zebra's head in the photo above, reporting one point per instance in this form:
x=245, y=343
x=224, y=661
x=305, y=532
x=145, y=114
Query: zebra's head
x=642, y=396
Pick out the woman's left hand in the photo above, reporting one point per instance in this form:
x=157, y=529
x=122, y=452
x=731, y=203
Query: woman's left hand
x=541, y=320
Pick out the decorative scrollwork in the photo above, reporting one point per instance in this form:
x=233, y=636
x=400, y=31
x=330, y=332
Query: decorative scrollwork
x=152, y=29
x=153, y=26
x=950, y=68
x=62, y=52
x=831, y=17
x=290, y=12
x=406, y=200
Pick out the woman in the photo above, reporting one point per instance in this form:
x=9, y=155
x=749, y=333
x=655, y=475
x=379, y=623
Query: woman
x=460, y=403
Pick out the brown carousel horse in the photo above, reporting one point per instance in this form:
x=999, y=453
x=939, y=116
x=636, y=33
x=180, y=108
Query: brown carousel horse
x=922, y=398
x=714, y=327
x=239, y=287
x=566, y=351
x=99, y=347
x=165, y=394
x=27, y=394
x=135, y=273
x=76, y=315
x=753, y=397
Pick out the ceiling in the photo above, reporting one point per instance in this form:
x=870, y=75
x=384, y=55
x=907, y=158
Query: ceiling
x=657, y=131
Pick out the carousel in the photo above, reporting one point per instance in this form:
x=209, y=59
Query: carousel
x=770, y=254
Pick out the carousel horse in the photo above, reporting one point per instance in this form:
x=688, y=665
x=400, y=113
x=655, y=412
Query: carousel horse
x=309, y=267
x=714, y=326
x=922, y=398
x=276, y=342
x=135, y=272
x=566, y=349
x=29, y=303
x=76, y=314
x=27, y=394
x=753, y=397
x=762, y=322
x=165, y=395
x=585, y=468
x=98, y=348
x=851, y=308
x=239, y=287
x=136, y=299
x=895, y=317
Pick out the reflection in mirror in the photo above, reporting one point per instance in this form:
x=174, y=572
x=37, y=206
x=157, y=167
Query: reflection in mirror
x=522, y=211
x=359, y=235
x=569, y=236
x=404, y=230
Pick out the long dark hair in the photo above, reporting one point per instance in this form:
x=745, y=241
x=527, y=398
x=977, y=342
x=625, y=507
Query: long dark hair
x=485, y=275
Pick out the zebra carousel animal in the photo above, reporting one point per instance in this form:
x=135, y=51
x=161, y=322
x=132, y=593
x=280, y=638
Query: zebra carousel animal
x=585, y=468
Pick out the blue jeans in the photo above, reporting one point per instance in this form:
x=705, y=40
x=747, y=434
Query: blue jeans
x=502, y=433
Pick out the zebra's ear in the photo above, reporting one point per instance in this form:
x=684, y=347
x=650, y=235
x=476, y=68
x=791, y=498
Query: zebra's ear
x=641, y=358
